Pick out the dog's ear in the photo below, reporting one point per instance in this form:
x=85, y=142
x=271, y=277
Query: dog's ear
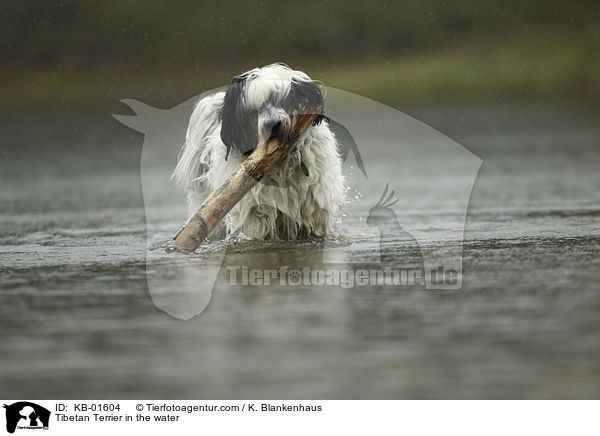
x=238, y=129
x=307, y=93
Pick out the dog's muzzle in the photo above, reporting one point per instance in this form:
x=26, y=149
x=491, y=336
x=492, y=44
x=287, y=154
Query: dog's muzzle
x=273, y=123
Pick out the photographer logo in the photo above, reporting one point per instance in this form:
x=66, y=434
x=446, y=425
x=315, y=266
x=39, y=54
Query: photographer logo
x=24, y=415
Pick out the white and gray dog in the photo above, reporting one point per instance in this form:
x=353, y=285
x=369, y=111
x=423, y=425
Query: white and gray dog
x=296, y=201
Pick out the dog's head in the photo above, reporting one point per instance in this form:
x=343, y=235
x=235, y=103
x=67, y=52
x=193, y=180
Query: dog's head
x=258, y=105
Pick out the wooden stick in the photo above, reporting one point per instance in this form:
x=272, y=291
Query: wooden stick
x=249, y=173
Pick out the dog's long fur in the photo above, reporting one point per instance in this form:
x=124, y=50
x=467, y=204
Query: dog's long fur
x=225, y=127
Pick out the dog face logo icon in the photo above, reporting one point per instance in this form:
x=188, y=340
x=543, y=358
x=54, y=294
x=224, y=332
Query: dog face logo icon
x=26, y=415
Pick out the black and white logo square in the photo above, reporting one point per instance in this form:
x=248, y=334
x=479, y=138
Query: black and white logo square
x=26, y=415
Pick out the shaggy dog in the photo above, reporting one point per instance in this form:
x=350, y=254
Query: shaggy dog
x=296, y=200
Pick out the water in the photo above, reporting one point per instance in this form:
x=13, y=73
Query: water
x=78, y=322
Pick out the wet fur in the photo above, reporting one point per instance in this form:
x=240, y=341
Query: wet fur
x=223, y=131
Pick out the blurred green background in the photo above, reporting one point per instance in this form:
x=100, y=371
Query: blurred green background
x=164, y=52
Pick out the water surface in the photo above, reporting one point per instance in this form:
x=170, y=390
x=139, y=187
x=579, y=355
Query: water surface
x=78, y=321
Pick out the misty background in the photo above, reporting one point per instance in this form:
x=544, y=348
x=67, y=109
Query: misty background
x=164, y=52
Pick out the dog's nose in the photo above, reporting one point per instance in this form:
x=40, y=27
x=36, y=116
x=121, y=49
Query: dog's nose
x=273, y=126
